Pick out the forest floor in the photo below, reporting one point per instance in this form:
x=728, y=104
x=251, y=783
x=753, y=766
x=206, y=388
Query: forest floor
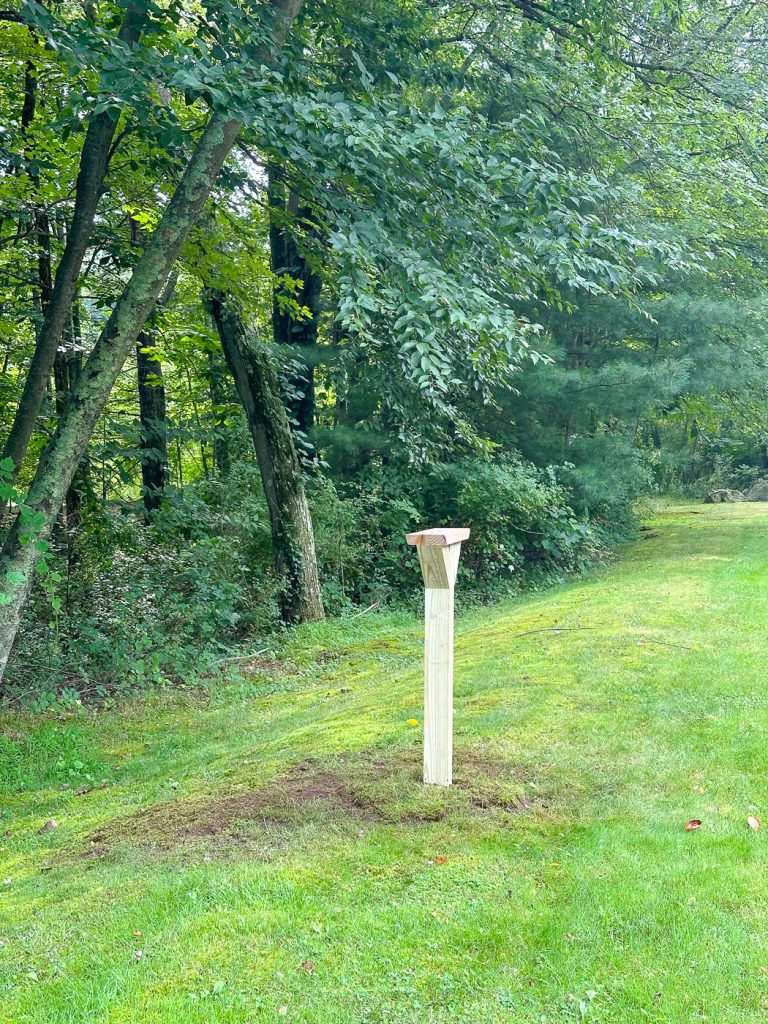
x=263, y=850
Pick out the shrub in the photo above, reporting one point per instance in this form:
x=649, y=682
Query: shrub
x=140, y=604
x=522, y=522
x=360, y=541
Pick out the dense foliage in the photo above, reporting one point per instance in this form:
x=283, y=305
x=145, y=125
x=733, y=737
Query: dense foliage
x=495, y=266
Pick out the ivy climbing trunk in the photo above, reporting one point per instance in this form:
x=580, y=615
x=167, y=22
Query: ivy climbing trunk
x=94, y=160
x=293, y=539
x=32, y=527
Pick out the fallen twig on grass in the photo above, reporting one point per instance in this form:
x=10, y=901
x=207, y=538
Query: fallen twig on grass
x=666, y=643
x=365, y=611
x=552, y=629
x=244, y=657
x=578, y=629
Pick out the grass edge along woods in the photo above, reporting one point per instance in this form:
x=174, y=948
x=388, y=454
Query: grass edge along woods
x=266, y=851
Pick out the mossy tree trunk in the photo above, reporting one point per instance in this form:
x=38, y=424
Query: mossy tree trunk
x=94, y=161
x=293, y=540
x=57, y=466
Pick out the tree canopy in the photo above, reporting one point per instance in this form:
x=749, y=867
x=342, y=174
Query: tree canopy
x=281, y=280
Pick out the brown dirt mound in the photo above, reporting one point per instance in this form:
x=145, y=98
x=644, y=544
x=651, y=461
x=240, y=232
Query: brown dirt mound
x=280, y=802
x=385, y=791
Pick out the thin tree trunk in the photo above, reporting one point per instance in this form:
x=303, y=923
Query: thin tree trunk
x=293, y=541
x=286, y=258
x=66, y=373
x=20, y=552
x=60, y=459
x=154, y=429
x=219, y=398
x=153, y=446
x=90, y=179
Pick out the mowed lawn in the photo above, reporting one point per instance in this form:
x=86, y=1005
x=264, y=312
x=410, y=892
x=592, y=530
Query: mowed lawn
x=263, y=851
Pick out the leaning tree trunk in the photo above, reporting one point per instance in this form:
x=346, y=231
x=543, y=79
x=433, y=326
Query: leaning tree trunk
x=154, y=428
x=293, y=540
x=90, y=180
x=57, y=466
x=20, y=552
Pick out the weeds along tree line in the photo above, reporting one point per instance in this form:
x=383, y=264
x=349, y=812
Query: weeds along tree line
x=280, y=281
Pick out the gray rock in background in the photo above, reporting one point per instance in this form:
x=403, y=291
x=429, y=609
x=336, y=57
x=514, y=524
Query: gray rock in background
x=758, y=491
x=726, y=494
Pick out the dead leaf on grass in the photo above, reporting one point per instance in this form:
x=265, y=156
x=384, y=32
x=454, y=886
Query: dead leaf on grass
x=692, y=825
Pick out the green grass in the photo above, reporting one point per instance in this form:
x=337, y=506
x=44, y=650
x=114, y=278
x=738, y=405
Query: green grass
x=557, y=883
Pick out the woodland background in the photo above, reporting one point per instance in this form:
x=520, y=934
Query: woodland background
x=497, y=265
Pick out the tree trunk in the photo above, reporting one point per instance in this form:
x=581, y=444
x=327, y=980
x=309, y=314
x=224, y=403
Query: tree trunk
x=219, y=398
x=293, y=541
x=66, y=373
x=153, y=445
x=154, y=429
x=20, y=552
x=286, y=258
x=90, y=179
x=57, y=466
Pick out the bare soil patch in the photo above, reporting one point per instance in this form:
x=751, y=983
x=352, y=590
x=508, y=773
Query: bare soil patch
x=384, y=791
x=284, y=801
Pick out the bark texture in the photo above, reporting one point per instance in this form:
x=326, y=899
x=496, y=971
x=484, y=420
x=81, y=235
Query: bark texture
x=286, y=257
x=93, y=168
x=139, y=297
x=154, y=432
x=293, y=539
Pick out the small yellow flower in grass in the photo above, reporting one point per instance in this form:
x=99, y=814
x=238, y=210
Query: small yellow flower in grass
x=413, y=721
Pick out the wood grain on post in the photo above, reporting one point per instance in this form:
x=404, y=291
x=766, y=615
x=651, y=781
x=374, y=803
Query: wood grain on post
x=439, y=551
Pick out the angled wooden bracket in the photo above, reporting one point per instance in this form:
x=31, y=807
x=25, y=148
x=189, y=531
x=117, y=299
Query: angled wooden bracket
x=439, y=550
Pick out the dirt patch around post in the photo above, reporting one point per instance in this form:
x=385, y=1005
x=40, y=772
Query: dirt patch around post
x=353, y=792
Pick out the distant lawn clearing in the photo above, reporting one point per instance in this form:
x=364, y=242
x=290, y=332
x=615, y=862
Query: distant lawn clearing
x=266, y=852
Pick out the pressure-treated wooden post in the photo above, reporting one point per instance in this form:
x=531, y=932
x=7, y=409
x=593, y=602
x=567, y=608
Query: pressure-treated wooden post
x=439, y=552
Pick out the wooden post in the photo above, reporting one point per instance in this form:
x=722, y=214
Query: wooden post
x=439, y=551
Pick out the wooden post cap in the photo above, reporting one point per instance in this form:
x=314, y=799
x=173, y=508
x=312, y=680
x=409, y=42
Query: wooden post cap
x=439, y=536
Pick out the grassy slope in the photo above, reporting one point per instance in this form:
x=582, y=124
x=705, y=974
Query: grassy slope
x=593, y=902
